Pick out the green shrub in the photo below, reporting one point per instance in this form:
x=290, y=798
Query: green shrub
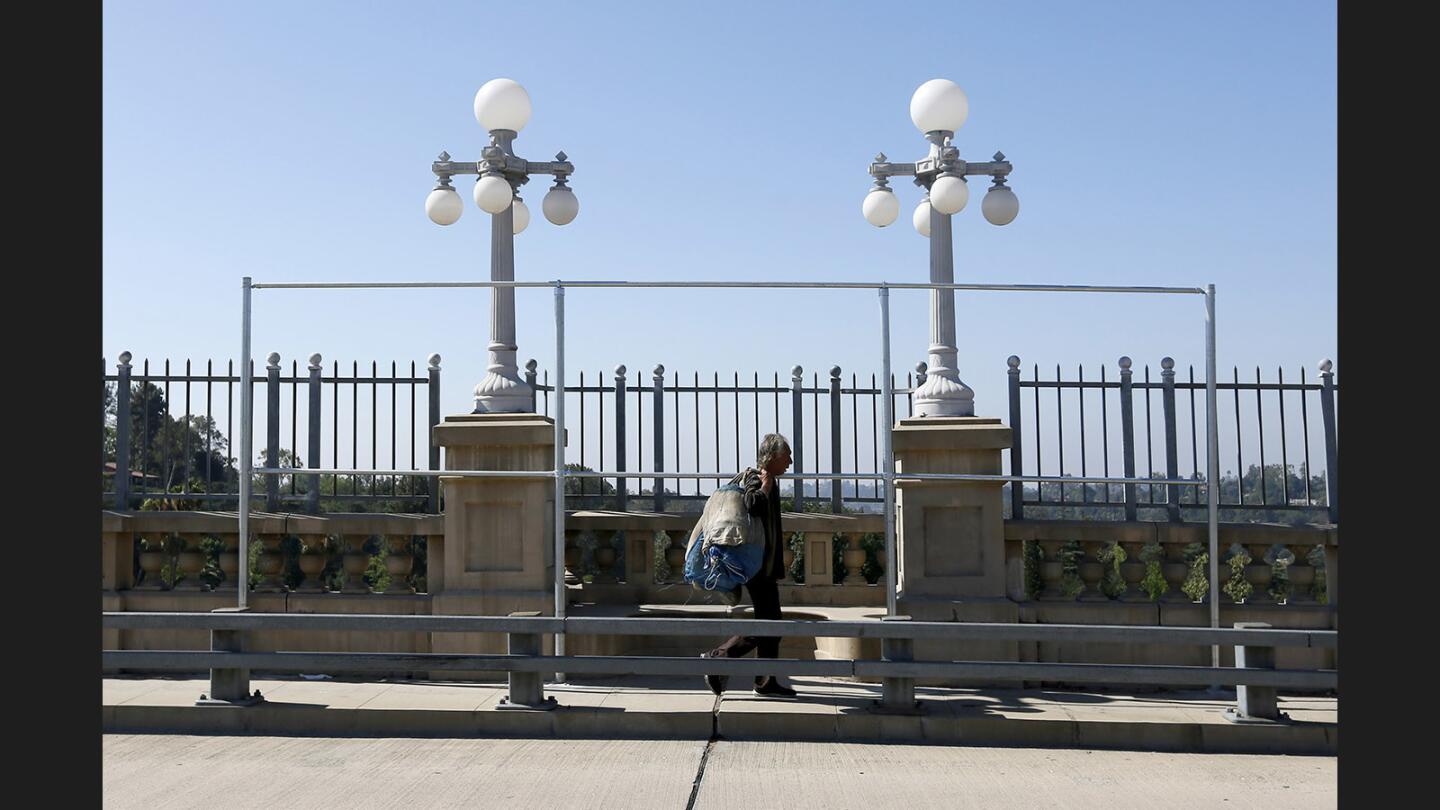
x=210, y=575
x=1197, y=581
x=377, y=576
x=874, y=544
x=1071, y=553
x=797, y=568
x=1280, y=559
x=1318, y=590
x=1033, y=557
x=1113, y=585
x=1237, y=587
x=1154, y=583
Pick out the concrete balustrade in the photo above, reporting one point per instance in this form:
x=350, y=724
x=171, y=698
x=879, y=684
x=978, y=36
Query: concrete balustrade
x=642, y=589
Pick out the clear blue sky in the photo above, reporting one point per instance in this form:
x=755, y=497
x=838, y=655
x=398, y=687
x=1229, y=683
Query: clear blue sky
x=1153, y=143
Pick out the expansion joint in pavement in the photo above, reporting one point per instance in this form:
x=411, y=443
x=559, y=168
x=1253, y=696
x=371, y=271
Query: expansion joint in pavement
x=705, y=756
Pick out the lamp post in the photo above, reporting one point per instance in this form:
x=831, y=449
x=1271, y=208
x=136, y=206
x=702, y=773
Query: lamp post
x=938, y=108
x=503, y=108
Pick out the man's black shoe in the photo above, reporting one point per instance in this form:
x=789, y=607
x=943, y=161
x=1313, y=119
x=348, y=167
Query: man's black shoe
x=715, y=682
x=773, y=688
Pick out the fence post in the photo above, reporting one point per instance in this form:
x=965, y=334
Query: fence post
x=835, y=505
x=620, y=482
x=1332, y=466
x=1172, y=452
x=272, y=430
x=312, y=498
x=1017, y=464
x=1254, y=702
x=658, y=374
x=530, y=373
x=122, y=433
x=1127, y=435
x=797, y=432
x=897, y=694
x=527, y=690
x=432, y=484
x=229, y=687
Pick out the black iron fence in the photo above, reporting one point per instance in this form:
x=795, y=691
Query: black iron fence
x=669, y=422
x=688, y=418
x=1126, y=411
x=188, y=461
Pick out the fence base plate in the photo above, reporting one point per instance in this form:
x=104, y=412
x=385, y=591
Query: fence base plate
x=206, y=700
x=549, y=704
x=1233, y=715
x=877, y=707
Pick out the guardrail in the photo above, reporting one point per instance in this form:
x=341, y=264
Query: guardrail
x=1254, y=675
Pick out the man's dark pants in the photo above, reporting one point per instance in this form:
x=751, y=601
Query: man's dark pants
x=765, y=594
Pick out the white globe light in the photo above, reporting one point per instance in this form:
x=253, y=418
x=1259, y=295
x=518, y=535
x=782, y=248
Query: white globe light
x=443, y=206
x=1000, y=205
x=502, y=104
x=921, y=218
x=493, y=194
x=560, y=205
x=939, y=104
x=521, y=215
x=880, y=207
x=949, y=194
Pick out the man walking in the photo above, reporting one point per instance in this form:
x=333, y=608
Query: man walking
x=762, y=500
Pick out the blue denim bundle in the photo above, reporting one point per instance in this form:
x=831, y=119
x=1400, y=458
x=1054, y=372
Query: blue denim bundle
x=722, y=568
x=734, y=554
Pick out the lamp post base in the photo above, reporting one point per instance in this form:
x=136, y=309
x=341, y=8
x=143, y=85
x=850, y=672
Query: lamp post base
x=944, y=395
x=500, y=393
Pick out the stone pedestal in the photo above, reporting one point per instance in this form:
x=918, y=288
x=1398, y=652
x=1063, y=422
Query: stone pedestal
x=498, y=555
x=951, y=534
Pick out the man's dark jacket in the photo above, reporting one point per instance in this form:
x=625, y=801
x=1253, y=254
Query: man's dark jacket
x=766, y=507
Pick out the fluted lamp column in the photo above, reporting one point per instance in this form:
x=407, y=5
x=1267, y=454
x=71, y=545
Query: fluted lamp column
x=938, y=108
x=503, y=108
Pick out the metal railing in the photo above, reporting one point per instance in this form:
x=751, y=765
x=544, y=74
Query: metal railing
x=1254, y=675
x=1138, y=418
x=806, y=406
x=200, y=464
x=559, y=472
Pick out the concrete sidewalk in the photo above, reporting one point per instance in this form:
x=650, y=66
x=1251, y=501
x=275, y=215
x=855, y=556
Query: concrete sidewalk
x=159, y=772
x=827, y=710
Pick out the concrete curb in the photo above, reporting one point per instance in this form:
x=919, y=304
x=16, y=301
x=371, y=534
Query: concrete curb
x=935, y=729
x=735, y=719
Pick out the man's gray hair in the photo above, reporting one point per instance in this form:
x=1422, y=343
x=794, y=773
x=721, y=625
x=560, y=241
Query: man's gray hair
x=771, y=446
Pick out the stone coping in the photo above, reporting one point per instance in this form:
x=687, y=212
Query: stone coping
x=413, y=523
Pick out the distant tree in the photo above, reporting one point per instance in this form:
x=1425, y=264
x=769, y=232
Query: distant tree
x=166, y=447
x=1083, y=500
